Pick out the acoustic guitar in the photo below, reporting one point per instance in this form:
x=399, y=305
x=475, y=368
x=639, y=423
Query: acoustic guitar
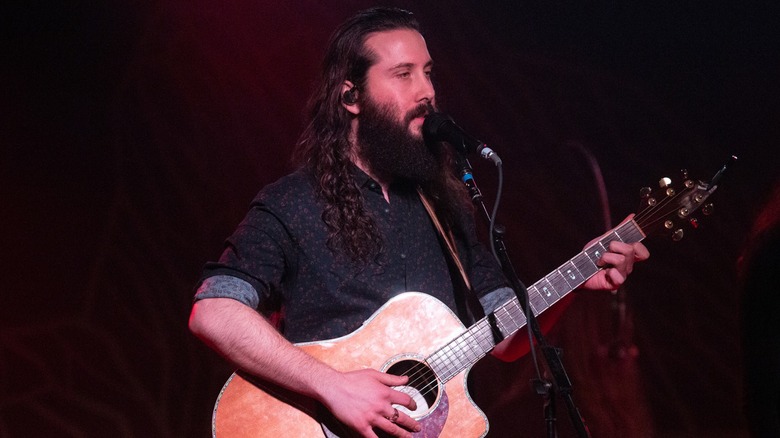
x=416, y=335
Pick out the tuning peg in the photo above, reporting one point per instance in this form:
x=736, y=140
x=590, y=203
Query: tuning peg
x=707, y=209
x=644, y=194
x=666, y=183
x=678, y=235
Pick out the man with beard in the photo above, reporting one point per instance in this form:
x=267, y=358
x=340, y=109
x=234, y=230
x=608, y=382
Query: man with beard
x=326, y=246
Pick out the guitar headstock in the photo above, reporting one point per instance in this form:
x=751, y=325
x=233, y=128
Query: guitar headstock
x=669, y=209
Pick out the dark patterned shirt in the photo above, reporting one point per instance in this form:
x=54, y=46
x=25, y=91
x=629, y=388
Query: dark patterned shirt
x=277, y=260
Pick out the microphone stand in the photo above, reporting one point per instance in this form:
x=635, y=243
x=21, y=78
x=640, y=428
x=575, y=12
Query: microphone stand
x=561, y=383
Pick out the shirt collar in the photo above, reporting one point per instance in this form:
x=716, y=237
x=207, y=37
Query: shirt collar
x=362, y=179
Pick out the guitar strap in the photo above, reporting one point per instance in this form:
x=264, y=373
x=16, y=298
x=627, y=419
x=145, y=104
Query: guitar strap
x=447, y=237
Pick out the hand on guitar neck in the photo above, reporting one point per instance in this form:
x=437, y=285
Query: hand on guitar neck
x=617, y=263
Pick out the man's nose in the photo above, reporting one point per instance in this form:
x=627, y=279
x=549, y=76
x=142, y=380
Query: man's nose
x=426, y=92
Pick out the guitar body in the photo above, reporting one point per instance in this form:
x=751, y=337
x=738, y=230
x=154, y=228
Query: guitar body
x=405, y=330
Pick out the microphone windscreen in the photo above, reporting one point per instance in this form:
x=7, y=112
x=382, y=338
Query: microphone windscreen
x=432, y=126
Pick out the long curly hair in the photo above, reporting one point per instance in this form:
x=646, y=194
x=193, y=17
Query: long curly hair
x=324, y=145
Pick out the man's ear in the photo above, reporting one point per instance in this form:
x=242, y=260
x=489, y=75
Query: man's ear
x=350, y=97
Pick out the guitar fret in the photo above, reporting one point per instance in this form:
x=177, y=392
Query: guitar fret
x=559, y=287
x=594, y=252
x=518, y=315
x=501, y=319
x=609, y=238
x=464, y=351
x=448, y=357
x=547, y=291
x=486, y=340
x=473, y=344
x=515, y=316
x=571, y=274
x=443, y=364
x=504, y=319
x=585, y=265
x=631, y=232
x=436, y=363
x=538, y=305
x=474, y=350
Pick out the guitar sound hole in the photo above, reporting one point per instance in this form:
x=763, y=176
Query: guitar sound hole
x=423, y=386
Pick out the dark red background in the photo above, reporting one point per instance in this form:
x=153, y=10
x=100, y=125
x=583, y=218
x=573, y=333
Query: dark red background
x=134, y=137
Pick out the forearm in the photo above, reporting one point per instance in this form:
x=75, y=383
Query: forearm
x=362, y=399
x=246, y=339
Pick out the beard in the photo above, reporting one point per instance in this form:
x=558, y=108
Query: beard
x=390, y=151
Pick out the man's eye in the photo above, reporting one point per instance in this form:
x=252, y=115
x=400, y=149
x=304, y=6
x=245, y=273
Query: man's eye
x=405, y=74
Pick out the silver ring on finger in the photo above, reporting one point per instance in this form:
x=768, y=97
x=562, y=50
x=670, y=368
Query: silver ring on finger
x=394, y=418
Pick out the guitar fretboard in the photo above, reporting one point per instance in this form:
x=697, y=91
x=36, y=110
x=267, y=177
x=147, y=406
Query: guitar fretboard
x=477, y=341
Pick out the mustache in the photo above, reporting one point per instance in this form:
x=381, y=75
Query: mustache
x=420, y=110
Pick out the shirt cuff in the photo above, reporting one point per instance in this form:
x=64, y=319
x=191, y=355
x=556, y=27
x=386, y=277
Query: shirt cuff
x=491, y=300
x=226, y=286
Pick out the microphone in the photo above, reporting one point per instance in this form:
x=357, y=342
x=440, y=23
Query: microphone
x=441, y=127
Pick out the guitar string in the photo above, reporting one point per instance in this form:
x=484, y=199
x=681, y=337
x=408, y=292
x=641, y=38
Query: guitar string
x=420, y=370
x=418, y=376
x=423, y=380
x=656, y=214
x=422, y=373
x=446, y=355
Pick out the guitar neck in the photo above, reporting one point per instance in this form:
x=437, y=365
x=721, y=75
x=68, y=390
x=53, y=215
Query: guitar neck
x=478, y=340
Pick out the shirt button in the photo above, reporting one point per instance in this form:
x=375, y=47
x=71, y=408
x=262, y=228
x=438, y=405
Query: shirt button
x=403, y=256
x=387, y=210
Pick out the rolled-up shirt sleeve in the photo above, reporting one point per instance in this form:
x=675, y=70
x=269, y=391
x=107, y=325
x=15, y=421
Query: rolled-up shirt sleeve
x=255, y=259
x=226, y=286
x=493, y=299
